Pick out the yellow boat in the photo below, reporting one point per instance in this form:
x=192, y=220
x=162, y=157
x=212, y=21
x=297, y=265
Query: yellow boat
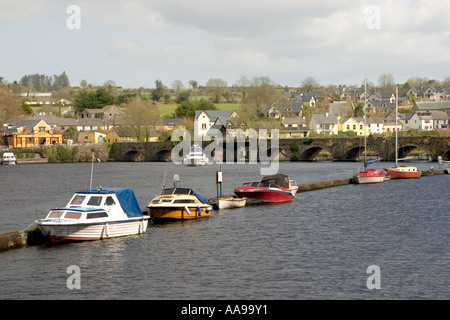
x=179, y=204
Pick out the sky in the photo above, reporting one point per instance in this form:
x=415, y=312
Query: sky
x=134, y=43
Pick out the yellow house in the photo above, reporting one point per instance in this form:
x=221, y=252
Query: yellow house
x=121, y=134
x=91, y=137
x=33, y=133
x=355, y=125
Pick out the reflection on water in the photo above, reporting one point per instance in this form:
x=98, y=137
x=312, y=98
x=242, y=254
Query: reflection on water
x=317, y=247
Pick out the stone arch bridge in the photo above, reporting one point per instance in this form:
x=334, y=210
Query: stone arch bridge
x=306, y=149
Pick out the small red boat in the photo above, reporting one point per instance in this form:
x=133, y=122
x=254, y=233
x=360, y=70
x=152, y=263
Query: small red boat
x=404, y=172
x=271, y=189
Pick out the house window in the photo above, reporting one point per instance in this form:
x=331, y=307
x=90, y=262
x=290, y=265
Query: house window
x=354, y=127
x=203, y=125
x=348, y=127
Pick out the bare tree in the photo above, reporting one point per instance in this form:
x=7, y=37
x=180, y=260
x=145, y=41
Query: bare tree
x=143, y=116
x=243, y=84
x=216, y=87
x=177, y=85
x=446, y=81
x=386, y=82
x=193, y=84
x=261, y=94
x=310, y=84
x=10, y=108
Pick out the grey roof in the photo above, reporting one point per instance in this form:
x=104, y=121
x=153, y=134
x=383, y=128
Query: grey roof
x=374, y=120
x=323, y=118
x=293, y=120
x=214, y=114
x=425, y=105
x=30, y=124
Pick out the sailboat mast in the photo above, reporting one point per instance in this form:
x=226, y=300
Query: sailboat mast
x=365, y=121
x=396, y=129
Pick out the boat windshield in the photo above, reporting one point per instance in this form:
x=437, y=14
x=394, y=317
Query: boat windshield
x=176, y=191
x=260, y=184
x=77, y=200
x=95, y=201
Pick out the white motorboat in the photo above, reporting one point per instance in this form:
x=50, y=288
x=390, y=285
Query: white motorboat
x=228, y=202
x=9, y=158
x=195, y=157
x=95, y=214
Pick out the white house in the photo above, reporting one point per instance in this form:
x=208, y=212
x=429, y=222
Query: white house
x=326, y=124
x=375, y=125
x=205, y=119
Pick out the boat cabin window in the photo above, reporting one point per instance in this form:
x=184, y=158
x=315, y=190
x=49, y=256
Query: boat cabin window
x=95, y=201
x=77, y=200
x=95, y=215
x=184, y=201
x=109, y=201
x=55, y=214
x=176, y=191
x=73, y=215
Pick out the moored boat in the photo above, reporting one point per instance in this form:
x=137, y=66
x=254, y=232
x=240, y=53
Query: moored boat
x=367, y=176
x=228, y=202
x=9, y=158
x=95, y=214
x=179, y=204
x=404, y=172
x=195, y=157
x=401, y=172
x=271, y=189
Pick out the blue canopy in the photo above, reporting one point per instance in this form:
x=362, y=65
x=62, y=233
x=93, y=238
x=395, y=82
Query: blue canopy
x=370, y=162
x=199, y=197
x=126, y=198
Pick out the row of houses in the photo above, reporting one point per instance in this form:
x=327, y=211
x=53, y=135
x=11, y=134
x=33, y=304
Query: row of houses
x=228, y=122
x=113, y=127
x=49, y=131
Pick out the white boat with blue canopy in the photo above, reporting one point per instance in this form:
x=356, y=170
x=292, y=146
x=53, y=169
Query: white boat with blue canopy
x=95, y=214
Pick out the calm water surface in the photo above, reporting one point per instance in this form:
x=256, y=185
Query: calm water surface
x=317, y=247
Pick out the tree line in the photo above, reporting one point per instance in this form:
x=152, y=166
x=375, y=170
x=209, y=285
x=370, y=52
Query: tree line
x=43, y=82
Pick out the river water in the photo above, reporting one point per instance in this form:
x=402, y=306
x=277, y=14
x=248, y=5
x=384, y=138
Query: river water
x=318, y=247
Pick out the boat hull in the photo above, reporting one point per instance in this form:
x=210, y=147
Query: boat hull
x=180, y=213
x=9, y=162
x=63, y=232
x=194, y=162
x=403, y=173
x=367, y=180
x=229, y=203
x=264, y=196
x=369, y=176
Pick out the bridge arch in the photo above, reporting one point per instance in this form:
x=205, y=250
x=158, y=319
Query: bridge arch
x=162, y=155
x=133, y=155
x=312, y=153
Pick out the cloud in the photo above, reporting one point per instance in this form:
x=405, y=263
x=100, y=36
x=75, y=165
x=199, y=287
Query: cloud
x=287, y=40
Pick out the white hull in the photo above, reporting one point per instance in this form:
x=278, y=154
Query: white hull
x=195, y=161
x=93, y=231
x=229, y=203
x=9, y=163
x=367, y=180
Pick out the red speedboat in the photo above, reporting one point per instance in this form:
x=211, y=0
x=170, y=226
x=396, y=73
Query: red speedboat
x=271, y=189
